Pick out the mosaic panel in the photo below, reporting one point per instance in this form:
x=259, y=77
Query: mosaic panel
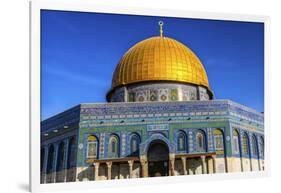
x=193, y=95
x=158, y=127
x=190, y=141
x=203, y=94
x=210, y=140
x=163, y=94
x=153, y=95
x=131, y=97
x=123, y=144
x=141, y=96
x=174, y=94
x=102, y=136
x=185, y=95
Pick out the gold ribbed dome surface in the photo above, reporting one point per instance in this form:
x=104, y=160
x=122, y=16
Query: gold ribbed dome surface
x=159, y=59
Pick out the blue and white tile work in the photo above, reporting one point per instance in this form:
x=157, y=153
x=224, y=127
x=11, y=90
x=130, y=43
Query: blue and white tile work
x=153, y=122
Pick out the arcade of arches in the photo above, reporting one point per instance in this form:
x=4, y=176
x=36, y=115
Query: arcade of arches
x=157, y=162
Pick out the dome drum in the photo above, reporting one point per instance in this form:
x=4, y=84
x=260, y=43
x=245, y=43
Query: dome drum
x=159, y=91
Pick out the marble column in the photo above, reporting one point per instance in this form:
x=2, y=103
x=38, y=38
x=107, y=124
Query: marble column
x=125, y=94
x=251, y=163
x=204, y=166
x=65, y=160
x=131, y=163
x=214, y=164
x=209, y=162
x=259, y=164
x=54, y=167
x=144, y=166
x=250, y=151
x=97, y=170
x=109, y=164
x=183, y=159
x=250, y=156
x=187, y=167
x=241, y=162
x=172, y=164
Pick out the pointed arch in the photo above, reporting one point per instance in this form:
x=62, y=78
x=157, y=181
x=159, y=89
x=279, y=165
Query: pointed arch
x=156, y=136
x=236, y=142
x=254, y=146
x=135, y=141
x=92, y=147
x=245, y=144
x=261, y=146
x=219, y=141
x=181, y=142
x=200, y=141
x=113, y=146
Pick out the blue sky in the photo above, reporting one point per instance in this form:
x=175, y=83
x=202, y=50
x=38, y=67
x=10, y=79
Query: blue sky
x=79, y=52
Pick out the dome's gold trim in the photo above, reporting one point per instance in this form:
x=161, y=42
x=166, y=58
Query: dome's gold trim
x=159, y=59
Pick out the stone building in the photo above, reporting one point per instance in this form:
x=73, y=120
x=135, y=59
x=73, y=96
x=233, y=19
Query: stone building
x=161, y=119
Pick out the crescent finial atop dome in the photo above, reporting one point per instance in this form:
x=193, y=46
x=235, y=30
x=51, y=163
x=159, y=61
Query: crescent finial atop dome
x=161, y=23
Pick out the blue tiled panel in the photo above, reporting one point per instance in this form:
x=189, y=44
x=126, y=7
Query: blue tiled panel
x=112, y=113
x=187, y=107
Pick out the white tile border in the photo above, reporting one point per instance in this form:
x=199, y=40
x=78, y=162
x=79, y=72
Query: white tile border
x=87, y=6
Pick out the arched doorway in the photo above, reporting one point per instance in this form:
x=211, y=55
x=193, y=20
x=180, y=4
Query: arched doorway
x=158, y=159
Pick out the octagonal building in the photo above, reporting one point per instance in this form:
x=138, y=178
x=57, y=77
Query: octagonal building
x=161, y=119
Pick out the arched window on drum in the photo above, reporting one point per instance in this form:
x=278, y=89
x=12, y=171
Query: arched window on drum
x=92, y=147
x=236, y=149
x=113, y=149
x=218, y=141
x=245, y=144
x=134, y=144
x=200, y=142
x=181, y=141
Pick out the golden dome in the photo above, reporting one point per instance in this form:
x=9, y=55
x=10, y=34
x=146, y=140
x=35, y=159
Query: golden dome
x=159, y=59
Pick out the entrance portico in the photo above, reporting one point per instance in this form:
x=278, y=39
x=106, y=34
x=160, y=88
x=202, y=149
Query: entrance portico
x=158, y=159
